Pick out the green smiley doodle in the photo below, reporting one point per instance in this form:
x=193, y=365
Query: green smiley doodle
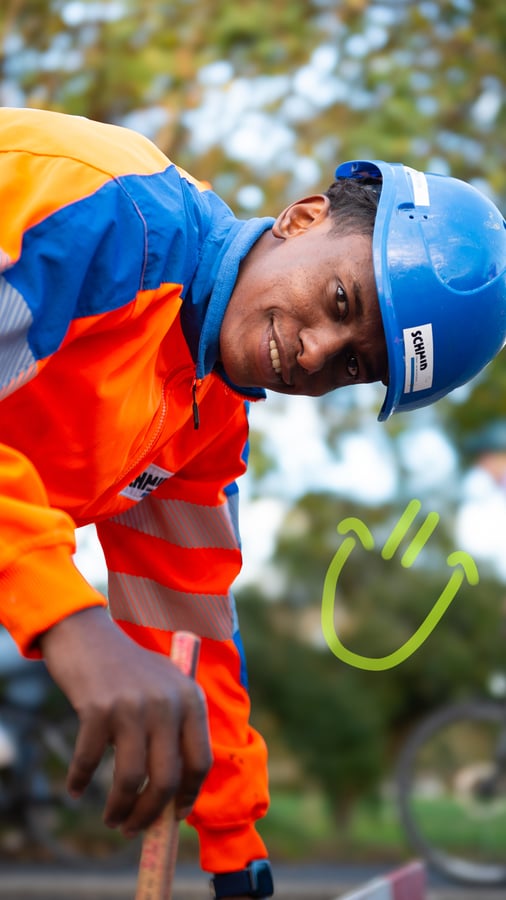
x=462, y=564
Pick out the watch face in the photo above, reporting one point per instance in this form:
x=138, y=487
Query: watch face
x=264, y=884
x=262, y=878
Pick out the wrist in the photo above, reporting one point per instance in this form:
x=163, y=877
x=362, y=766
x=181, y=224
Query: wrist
x=253, y=881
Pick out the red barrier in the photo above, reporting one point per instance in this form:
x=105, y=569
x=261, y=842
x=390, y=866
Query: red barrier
x=406, y=883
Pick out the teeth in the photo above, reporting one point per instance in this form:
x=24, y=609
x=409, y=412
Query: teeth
x=275, y=360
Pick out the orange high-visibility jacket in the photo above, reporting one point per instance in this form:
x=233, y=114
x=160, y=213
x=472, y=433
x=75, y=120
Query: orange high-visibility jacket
x=116, y=269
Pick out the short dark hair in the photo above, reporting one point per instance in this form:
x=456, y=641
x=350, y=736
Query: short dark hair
x=353, y=205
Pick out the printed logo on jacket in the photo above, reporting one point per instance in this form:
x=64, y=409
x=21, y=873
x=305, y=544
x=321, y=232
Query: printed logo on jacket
x=146, y=482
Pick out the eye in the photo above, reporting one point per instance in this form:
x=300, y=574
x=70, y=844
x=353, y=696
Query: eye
x=352, y=366
x=342, y=302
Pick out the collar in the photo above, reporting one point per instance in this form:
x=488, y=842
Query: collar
x=227, y=243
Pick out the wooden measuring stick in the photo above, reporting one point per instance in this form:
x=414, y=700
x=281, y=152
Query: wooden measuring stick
x=159, y=847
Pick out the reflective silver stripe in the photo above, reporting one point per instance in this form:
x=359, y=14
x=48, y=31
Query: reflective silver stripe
x=233, y=508
x=145, y=602
x=188, y=525
x=17, y=362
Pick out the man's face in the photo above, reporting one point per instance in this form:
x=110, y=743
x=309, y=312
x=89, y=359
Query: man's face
x=304, y=316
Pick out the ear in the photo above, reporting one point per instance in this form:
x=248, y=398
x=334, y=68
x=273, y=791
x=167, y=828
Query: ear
x=301, y=215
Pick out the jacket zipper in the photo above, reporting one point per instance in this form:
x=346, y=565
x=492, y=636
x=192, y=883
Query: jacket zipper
x=125, y=477
x=195, y=407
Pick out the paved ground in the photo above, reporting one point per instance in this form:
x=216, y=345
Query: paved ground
x=292, y=883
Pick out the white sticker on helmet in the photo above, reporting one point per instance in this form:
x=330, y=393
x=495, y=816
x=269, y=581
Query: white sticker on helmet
x=420, y=187
x=418, y=357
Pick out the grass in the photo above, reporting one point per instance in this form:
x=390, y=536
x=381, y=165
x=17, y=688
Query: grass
x=300, y=828
x=451, y=826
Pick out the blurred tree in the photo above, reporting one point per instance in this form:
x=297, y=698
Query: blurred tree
x=343, y=724
x=482, y=402
x=271, y=95
x=380, y=604
x=327, y=723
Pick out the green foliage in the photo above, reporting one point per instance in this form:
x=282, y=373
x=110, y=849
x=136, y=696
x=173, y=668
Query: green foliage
x=382, y=602
x=328, y=723
x=343, y=725
x=261, y=460
x=422, y=83
x=485, y=403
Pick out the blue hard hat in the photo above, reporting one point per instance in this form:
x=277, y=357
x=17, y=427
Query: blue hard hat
x=439, y=251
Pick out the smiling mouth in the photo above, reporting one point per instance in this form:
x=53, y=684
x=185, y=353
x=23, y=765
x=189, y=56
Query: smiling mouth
x=274, y=354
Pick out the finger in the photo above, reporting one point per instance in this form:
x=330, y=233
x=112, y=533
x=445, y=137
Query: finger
x=164, y=774
x=179, y=760
x=196, y=752
x=90, y=746
x=130, y=772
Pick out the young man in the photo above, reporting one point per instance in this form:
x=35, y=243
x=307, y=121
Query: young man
x=138, y=317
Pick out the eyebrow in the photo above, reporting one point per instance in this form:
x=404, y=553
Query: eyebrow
x=359, y=313
x=372, y=375
x=357, y=295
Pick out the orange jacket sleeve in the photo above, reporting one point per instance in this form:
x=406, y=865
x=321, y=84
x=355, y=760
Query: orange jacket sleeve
x=36, y=547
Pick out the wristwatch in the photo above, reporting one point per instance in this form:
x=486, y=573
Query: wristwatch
x=253, y=881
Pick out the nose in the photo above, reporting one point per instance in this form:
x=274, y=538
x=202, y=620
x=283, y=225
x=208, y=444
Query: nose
x=317, y=347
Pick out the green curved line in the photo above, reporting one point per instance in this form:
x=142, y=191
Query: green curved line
x=354, y=524
x=377, y=664
x=328, y=597
x=460, y=557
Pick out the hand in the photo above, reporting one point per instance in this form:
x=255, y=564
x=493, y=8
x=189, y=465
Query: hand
x=137, y=701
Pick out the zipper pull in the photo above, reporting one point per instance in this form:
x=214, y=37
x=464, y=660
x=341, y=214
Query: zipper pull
x=195, y=408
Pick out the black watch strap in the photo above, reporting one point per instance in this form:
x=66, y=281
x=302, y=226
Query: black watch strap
x=253, y=881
